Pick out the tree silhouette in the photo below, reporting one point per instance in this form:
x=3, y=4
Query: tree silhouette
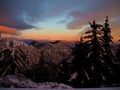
x=94, y=63
x=64, y=71
x=109, y=57
x=118, y=63
x=107, y=39
x=118, y=53
x=95, y=57
x=79, y=64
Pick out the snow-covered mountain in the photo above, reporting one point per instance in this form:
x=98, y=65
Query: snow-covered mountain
x=55, y=52
x=19, y=57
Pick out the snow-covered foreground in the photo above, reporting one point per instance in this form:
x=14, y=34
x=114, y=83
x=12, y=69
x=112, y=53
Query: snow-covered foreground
x=19, y=81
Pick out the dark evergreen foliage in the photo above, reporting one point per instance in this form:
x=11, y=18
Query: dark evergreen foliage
x=118, y=63
x=118, y=53
x=64, y=72
x=97, y=67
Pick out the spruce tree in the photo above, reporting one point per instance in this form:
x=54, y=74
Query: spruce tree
x=79, y=63
x=64, y=72
x=109, y=58
x=86, y=59
x=95, y=57
x=107, y=40
x=118, y=64
x=94, y=64
x=118, y=53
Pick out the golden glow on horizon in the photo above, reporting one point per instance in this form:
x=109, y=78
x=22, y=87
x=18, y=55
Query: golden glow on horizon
x=68, y=35
x=48, y=35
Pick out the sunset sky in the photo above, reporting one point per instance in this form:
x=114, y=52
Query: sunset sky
x=56, y=19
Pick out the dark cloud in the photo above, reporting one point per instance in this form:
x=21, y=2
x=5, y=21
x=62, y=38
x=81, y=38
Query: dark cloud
x=11, y=22
x=12, y=13
x=24, y=14
x=98, y=10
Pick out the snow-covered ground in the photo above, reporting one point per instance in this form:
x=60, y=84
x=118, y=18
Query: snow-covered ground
x=19, y=81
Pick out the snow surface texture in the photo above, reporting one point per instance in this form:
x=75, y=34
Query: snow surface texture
x=19, y=81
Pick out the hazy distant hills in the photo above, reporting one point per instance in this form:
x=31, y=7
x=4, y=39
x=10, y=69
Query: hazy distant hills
x=39, y=42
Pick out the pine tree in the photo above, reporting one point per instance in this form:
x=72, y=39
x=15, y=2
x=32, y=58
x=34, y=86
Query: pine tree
x=118, y=64
x=107, y=40
x=64, y=72
x=86, y=59
x=109, y=57
x=79, y=63
x=94, y=63
x=118, y=53
x=95, y=57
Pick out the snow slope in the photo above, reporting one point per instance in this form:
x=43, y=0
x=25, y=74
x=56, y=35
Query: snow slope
x=19, y=81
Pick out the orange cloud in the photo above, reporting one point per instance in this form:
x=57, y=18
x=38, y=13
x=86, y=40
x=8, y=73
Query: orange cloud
x=8, y=30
